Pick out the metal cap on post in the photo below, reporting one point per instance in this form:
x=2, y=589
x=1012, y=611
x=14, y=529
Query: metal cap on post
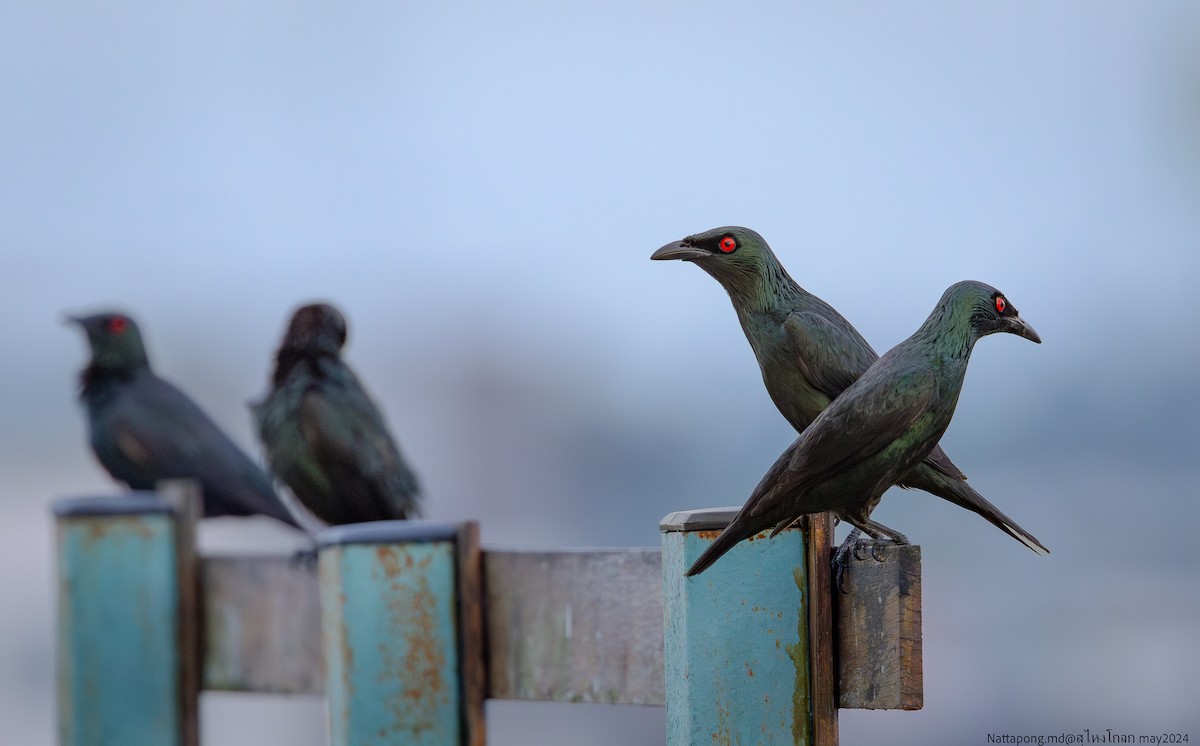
x=123, y=673
x=402, y=633
x=737, y=636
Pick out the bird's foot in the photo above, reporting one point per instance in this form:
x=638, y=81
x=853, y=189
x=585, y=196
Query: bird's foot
x=306, y=558
x=861, y=546
x=841, y=558
x=880, y=544
x=878, y=549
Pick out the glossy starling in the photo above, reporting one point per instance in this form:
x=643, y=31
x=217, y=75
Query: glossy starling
x=880, y=428
x=144, y=430
x=808, y=353
x=324, y=436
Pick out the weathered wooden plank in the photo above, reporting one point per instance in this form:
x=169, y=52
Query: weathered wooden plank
x=822, y=646
x=879, y=631
x=737, y=636
x=262, y=625
x=575, y=626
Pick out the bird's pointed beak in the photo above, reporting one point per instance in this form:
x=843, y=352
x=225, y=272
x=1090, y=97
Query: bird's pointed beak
x=1017, y=325
x=68, y=319
x=679, y=250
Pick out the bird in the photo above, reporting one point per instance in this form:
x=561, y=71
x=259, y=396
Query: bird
x=878, y=429
x=324, y=436
x=143, y=429
x=809, y=353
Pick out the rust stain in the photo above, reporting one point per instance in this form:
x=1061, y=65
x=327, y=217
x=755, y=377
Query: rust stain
x=416, y=661
x=343, y=639
x=388, y=561
x=708, y=534
x=110, y=526
x=798, y=652
x=722, y=736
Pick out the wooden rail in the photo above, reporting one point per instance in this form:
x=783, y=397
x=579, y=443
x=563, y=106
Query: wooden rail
x=563, y=625
x=548, y=637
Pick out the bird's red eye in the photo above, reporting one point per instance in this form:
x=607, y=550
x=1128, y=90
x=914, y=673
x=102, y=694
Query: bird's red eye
x=728, y=244
x=1000, y=304
x=117, y=325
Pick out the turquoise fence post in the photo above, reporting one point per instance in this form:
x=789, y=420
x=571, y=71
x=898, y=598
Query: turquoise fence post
x=736, y=647
x=121, y=591
x=402, y=641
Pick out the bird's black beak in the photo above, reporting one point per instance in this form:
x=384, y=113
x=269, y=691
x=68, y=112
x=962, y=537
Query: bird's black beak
x=68, y=319
x=1017, y=325
x=679, y=250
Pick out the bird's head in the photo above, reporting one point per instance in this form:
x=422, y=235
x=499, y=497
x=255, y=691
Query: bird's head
x=317, y=328
x=987, y=310
x=737, y=257
x=115, y=340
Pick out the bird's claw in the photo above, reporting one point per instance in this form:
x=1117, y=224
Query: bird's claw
x=877, y=549
x=306, y=558
x=860, y=547
x=840, y=562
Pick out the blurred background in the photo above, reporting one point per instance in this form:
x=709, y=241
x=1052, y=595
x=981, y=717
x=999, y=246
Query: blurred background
x=479, y=186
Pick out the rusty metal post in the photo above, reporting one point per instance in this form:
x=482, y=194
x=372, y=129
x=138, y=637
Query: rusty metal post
x=396, y=633
x=124, y=676
x=737, y=641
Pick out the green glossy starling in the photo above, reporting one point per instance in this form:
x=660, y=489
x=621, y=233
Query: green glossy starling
x=808, y=353
x=144, y=430
x=324, y=436
x=880, y=428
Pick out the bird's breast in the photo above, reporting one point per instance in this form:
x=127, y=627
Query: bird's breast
x=794, y=395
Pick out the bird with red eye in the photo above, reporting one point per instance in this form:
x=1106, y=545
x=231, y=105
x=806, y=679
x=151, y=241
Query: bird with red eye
x=810, y=354
x=1001, y=304
x=143, y=429
x=728, y=244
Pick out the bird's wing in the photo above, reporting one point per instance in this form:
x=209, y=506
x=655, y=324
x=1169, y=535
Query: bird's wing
x=830, y=352
x=160, y=433
x=871, y=415
x=833, y=355
x=345, y=432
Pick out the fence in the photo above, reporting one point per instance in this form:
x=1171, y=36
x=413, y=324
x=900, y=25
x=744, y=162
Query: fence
x=407, y=627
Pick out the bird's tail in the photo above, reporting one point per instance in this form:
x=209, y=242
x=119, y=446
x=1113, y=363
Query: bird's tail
x=963, y=495
x=732, y=534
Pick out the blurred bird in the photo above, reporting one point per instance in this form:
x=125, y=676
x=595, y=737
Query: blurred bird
x=809, y=353
x=144, y=430
x=880, y=428
x=324, y=436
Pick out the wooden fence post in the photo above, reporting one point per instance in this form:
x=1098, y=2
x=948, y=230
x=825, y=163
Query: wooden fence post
x=125, y=581
x=737, y=637
x=879, y=620
x=402, y=633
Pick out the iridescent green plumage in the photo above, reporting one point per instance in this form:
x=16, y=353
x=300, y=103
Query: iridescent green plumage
x=324, y=436
x=808, y=353
x=144, y=430
x=878, y=429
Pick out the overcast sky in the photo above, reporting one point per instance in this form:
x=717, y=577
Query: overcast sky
x=479, y=187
